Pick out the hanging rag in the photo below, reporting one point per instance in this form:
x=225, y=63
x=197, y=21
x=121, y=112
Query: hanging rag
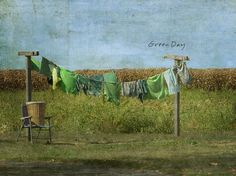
x=183, y=73
x=141, y=86
x=82, y=84
x=171, y=81
x=134, y=89
x=68, y=81
x=111, y=88
x=156, y=87
x=129, y=89
x=95, y=84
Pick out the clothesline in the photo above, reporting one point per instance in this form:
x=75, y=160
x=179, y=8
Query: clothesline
x=174, y=67
x=154, y=87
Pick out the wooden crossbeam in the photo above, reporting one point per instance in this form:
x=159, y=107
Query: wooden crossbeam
x=28, y=53
x=176, y=57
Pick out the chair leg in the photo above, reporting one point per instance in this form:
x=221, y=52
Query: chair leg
x=30, y=133
x=50, y=134
x=38, y=133
x=49, y=130
x=19, y=133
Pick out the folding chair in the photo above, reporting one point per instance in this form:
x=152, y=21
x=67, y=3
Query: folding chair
x=27, y=123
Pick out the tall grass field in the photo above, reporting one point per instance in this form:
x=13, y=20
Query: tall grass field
x=200, y=110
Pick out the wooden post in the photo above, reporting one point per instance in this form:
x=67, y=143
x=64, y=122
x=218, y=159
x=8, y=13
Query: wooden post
x=28, y=83
x=177, y=59
x=176, y=108
x=28, y=80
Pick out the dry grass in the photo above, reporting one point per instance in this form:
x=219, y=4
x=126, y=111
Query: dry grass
x=207, y=79
x=15, y=80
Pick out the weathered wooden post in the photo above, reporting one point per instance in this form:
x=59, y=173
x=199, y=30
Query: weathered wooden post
x=28, y=80
x=177, y=59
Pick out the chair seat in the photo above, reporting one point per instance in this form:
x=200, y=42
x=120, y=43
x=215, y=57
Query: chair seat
x=42, y=126
x=38, y=126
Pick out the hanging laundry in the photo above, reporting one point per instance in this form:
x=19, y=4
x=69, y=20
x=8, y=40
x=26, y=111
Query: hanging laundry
x=183, y=73
x=129, y=89
x=35, y=65
x=50, y=81
x=82, y=83
x=156, y=87
x=134, y=89
x=46, y=67
x=55, y=77
x=111, y=88
x=171, y=81
x=141, y=89
x=68, y=81
x=95, y=85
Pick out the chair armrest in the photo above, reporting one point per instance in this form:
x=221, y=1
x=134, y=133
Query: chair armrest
x=27, y=117
x=48, y=117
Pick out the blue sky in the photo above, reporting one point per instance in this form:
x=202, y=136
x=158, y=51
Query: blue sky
x=104, y=34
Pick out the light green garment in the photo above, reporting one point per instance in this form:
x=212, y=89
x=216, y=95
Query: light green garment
x=171, y=81
x=156, y=87
x=111, y=88
x=55, y=77
x=68, y=81
x=183, y=73
x=35, y=65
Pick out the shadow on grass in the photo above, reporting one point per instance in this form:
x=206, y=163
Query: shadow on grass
x=7, y=141
x=218, y=164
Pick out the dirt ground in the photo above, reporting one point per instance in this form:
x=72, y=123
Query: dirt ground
x=61, y=169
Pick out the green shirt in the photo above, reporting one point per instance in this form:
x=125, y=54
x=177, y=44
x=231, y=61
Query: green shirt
x=156, y=87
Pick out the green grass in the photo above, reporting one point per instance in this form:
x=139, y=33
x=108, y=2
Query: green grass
x=190, y=154
x=200, y=110
x=90, y=132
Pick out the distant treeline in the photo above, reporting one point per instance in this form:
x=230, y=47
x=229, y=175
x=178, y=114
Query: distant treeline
x=207, y=79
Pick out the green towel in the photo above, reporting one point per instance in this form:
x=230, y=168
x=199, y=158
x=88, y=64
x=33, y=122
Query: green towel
x=156, y=87
x=68, y=81
x=111, y=88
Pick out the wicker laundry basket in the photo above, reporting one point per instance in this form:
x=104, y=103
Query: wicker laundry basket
x=36, y=109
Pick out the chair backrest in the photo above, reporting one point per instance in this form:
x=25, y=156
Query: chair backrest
x=24, y=112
